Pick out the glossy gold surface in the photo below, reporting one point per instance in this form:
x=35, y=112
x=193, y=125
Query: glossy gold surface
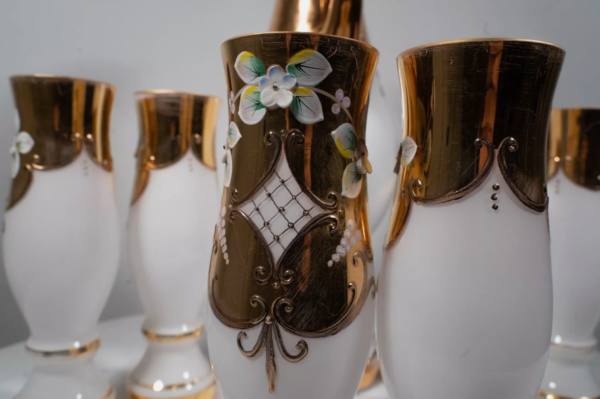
x=300, y=292
x=208, y=393
x=334, y=17
x=71, y=352
x=62, y=115
x=371, y=374
x=462, y=99
x=170, y=124
x=548, y=395
x=150, y=336
x=574, y=145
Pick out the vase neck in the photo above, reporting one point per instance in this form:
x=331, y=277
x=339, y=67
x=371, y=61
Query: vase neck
x=333, y=17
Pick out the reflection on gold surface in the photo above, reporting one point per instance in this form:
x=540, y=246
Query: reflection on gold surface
x=150, y=336
x=460, y=95
x=333, y=17
x=547, y=395
x=170, y=124
x=62, y=115
x=371, y=373
x=76, y=351
x=574, y=145
x=300, y=292
x=208, y=393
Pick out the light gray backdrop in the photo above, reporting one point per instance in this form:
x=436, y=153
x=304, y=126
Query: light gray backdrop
x=144, y=44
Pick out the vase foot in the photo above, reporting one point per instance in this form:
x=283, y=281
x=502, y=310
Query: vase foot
x=571, y=374
x=172, y=370
x=59, y=378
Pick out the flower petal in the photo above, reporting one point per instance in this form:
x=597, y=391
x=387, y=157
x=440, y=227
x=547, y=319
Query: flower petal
x=233, y=135
x=306, y=106
x=264, y=83
x=15, y=162
x=309, y=67
x=268, y=97
x=351, y=181
x=409, y=149
x=363, y=165
x=275, y=73
x=284, y=98
x=17, y=120
x=345, y=139
x=228, y=168
x=289, y=82
x=251, y=109
x=249, y=67
x=24, y=142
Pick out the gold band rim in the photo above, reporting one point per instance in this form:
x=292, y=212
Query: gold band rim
x=308, y=34
x=150, y=336
x=549, y=395
x=421, y=47
x=206, y=393
x=68, y=353
x=50, y=78
x=168, y=93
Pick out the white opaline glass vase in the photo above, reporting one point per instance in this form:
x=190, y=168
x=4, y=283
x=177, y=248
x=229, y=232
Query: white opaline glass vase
x=169, y=235
x=465, y=292
x=574, y=191
x=61, y=238
x=291, y=285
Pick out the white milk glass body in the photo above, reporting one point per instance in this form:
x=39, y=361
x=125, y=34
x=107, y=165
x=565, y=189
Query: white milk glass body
x=170, y=239
x=466, y=296
x=61, y=250
x=574, y=221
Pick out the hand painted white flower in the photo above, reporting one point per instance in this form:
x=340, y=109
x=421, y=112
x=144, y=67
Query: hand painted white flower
x=274, y=88
x=408, y=149
x=22, y=144
x=351, y=147
x=233, y=136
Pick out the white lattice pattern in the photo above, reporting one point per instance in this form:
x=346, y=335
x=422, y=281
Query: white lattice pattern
x=280, y=209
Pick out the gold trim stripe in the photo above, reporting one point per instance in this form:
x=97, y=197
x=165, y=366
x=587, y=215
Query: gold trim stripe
x=548, y=395
x=150, y=336
x=207, y=393
x=71, y=352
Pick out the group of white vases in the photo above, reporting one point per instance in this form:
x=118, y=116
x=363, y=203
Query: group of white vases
x=464, y=300
x=61, y=240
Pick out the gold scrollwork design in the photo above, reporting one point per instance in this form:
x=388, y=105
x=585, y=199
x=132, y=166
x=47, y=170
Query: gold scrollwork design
x=270, y=138
x=457, y=194
x=511, y=145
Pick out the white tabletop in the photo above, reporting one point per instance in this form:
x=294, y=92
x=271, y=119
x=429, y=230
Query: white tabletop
x=122, y=347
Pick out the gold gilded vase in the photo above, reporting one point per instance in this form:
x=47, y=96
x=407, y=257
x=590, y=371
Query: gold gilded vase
x=169, y=238
x=574, y=191
x=61, y=229
x=465, y=293
x=291, y=283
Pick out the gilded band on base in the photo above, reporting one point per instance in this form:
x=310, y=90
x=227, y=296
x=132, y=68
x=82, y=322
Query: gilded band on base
x=69, y=353
x=207, y=393
x=549, y=395
x=150, y=336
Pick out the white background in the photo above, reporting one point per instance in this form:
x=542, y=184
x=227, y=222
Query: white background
x=144, y=44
